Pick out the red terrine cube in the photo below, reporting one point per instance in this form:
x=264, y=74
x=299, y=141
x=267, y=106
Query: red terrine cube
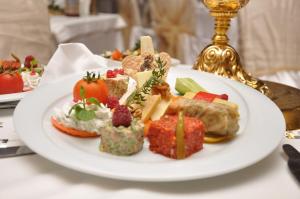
x=162, y=136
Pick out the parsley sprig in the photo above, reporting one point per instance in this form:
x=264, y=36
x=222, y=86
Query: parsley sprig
x=139, y=96
x=80, y=108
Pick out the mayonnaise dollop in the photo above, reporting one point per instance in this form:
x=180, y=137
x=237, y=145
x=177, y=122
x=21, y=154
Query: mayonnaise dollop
x=103, y=115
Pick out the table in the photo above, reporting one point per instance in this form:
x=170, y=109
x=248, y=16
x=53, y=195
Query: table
x=35, y=177
x=99, y=33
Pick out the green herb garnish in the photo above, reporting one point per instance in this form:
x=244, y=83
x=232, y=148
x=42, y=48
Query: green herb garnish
x=91, y=77
x=80, y=109
x=138, y=96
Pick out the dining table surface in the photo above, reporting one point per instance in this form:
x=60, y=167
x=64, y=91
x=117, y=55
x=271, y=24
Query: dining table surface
x=33, y=176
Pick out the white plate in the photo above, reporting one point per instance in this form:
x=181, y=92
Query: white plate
x=12, y=97
x=261, y=129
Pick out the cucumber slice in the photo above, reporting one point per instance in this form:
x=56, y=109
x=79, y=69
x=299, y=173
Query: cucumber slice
x=184, y=85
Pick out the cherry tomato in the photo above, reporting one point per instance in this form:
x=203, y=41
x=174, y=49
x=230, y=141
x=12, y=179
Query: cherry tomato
x=96, y=88
x=11, y=83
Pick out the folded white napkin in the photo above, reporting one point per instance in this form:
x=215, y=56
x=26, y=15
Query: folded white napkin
x=69, y=59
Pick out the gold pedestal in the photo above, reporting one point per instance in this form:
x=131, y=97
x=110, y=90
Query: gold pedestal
x=219, y=57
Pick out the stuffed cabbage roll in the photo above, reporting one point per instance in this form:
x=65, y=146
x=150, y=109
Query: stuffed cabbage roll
x=218, y=119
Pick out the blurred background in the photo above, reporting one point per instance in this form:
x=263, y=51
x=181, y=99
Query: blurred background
x=266, y=33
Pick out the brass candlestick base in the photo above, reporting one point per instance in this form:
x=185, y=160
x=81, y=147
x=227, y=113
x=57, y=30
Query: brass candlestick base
x=219, y=57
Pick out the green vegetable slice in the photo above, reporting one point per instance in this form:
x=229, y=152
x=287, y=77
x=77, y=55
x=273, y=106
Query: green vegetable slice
x=184, y=85
x=180, y=145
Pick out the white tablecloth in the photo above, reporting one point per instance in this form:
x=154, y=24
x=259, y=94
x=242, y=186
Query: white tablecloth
x=36, y=177
x=99, y=33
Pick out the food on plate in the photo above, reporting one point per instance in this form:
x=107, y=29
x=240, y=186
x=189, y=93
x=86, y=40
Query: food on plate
x=11, y=82
x=31, y=73
x=226, y=102
x=10, y=64
x=10, y=79
x=162, y=89
x=117, y=55
x=209, y=97
x=112, y=102
x=150, y=106
x=176, y=136
x=93, y=86
x=189, y=95
x=123, y=135
x=160, y=109
x=184, y=85
x=147, y=60
x=17, y=78
x=219, y=119
x=142, y=77
x=116, y=81
x=72, y=130
x=125, y=105
x=136, y=101
x=86, y=118
x=146, y=45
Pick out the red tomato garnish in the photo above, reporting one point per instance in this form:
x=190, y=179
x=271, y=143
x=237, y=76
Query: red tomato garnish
x=93, y=87
x=11, y=83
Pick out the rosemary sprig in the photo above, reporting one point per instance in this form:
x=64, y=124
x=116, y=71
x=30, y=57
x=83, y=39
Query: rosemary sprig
x=138, y=96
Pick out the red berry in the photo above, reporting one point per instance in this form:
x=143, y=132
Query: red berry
x=110, y=74
x=28, y=59
x=112, y=102
x=121, y=116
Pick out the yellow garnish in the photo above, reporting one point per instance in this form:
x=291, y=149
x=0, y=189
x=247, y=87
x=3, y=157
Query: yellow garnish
x=180, y=145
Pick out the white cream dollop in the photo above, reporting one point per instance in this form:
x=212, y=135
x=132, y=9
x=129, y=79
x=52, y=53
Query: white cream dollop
x=103, y=115
x=31, y=80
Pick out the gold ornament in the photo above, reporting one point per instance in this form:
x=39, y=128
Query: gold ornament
x=219, y=57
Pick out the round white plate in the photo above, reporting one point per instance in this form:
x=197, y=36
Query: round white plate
x=12, y=97
x=261, y=129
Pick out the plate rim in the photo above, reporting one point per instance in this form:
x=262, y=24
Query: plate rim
x=13, y=96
